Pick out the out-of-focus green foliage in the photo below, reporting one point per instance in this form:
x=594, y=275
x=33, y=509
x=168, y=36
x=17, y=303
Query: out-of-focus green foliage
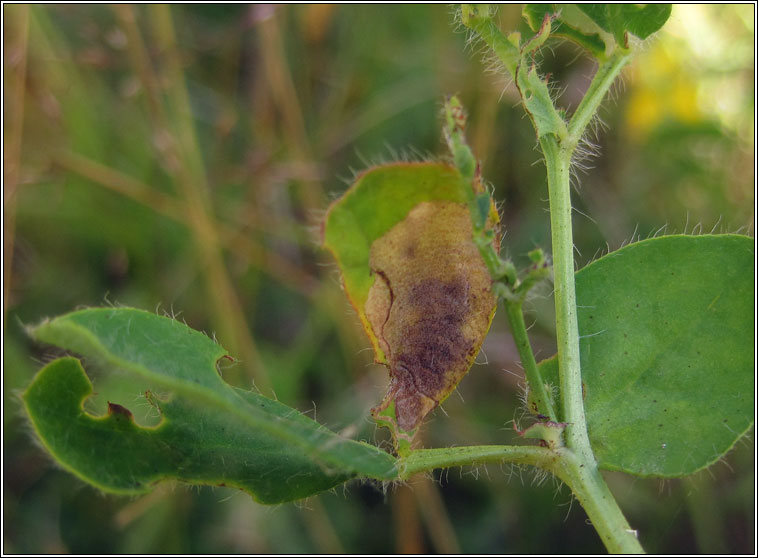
x=176, y=158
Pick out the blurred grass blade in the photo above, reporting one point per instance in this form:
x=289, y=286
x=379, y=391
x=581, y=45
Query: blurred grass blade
x=667, y=352
x=210, y=432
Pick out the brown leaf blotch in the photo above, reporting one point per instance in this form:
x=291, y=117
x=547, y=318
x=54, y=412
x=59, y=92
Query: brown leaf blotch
x=429, y=307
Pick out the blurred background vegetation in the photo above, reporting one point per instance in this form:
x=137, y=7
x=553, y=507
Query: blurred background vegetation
x=180, y=158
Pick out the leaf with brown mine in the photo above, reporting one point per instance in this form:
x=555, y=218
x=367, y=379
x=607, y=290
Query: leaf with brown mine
x=403, y=240
x=430, y=306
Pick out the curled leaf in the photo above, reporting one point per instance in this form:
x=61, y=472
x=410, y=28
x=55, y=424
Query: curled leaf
x=429, y=307
x=403, y=238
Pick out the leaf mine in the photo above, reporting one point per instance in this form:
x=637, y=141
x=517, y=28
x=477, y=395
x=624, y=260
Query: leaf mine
x=430, y=306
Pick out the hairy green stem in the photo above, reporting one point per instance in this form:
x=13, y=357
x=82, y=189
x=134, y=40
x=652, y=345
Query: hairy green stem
x=491, y=34
x=533, y=377
x=601, y=507
x=442, y=458
x=557, y=161
x=584, y=479
x=606, y=73
x=575, y=464
x=579, y=467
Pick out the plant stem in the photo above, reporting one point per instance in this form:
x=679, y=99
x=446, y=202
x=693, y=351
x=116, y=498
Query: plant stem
x=606, y=73
x=503, y=48
x=584, y=479
x=533, y=377
x=557, y=161
x=442, y=458
x=578, y=467
x=593, y=494
x=575, y=464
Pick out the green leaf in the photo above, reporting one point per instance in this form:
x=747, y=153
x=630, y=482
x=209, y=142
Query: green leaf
x=534, y=15
x=403, y=239
x=667, y=339
x=209, y=433
x=618, y=19
x=542, y=34
x=478, y=18
x=537, y=101
x=379, y=199
x=534, y=90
